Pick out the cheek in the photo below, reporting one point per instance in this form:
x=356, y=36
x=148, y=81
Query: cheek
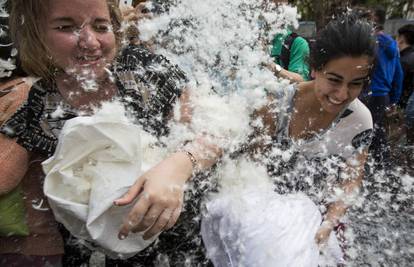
x=354, y=93
x=61, y=44
x=321, y=89
x=108, y=43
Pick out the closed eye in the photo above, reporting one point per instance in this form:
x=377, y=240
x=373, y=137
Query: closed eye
x=357, y=83
x=102, y=28
x=333, y=80
x=65, y=28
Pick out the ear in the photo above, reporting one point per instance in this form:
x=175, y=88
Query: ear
x=312, y=74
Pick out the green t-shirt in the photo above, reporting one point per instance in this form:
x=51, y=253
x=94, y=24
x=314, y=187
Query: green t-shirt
x=299, y=52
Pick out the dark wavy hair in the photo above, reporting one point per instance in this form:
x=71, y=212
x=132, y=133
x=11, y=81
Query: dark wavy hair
x=344, y=36
x=408, y=32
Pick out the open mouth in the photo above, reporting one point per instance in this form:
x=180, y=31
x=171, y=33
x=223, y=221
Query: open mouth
x=88, y=59
x=334, y=101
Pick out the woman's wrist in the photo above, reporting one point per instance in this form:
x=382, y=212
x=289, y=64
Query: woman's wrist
x=328, y=224
x=185, y=162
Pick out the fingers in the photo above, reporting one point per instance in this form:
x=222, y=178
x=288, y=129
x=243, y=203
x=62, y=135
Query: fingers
x=174, y=217
x=135, y=216
x=321, y=237
x=149, y=219
x=159, y=225
x=132, y=193
x=143, y=216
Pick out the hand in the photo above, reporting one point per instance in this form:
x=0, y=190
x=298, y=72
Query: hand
x=391, y=110
x=323, y=233
x=135, y=13
x=160, y=194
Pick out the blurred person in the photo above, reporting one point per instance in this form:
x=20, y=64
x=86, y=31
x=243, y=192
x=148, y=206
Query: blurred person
x=405, y=40
x=290, y=52
x=386, y=88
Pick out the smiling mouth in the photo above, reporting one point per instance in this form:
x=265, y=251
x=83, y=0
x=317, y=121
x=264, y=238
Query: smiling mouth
x=335, y=102
x=88, y=60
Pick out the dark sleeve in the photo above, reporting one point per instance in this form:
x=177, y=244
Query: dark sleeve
x=362, y=140
x=158, y=84
x=24, y=125
x=395, y=94
x=15, y=126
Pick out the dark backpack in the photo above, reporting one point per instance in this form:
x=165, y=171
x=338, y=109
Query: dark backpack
x=284, y=56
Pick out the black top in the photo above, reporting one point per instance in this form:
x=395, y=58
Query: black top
x=148, y=85
x=407, y=63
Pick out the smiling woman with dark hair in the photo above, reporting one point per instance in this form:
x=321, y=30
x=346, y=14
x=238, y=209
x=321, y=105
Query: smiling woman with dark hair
x=316, y=139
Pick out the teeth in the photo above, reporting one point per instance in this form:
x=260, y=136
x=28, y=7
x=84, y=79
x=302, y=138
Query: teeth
x=333, y=101
x=88, y=58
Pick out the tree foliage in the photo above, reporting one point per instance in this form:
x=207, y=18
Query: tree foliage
x=322, y=11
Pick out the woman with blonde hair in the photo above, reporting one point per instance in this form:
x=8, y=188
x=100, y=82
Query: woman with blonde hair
x=72, y=46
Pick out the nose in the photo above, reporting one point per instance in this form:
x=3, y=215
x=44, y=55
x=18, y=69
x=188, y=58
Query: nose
x=88, y=38
x=342, y=93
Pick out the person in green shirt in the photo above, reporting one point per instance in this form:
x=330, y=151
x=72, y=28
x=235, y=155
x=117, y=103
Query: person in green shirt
x=290, y=52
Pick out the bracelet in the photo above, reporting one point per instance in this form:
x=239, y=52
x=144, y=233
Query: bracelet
x=194, y=162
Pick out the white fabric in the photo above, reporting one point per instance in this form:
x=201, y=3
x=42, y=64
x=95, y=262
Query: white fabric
x=262, y=228
x=97, y=159
x=248, y=224
x=338, y=139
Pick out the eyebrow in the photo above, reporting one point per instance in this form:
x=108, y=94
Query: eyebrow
x=340, y=77
x=334, y=74
x=62, y=19
x=71, y=20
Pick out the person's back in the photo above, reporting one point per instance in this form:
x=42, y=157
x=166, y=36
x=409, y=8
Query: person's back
x=405, y=41
x=290, y=52
x=387, y=77
x=406, y=44
x=386, y=87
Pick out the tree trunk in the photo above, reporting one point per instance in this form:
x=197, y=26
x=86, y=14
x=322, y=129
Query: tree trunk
x=319, y=11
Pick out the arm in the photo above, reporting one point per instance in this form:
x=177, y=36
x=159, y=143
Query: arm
x=350, y=187
x=134, y=14
x=264, y=124
x=13, y=164
x=160, y=190
x=299, y=54
x=397, y=83
x=298, y=69
x=283, y=73
x=13, y=158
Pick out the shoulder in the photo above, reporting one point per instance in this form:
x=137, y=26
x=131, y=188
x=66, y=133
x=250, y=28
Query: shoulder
x=300, y=43
x=352, y=132
x=134, y=56
x=30, y=106
x=357, y=113
x=357, y=125
x=142, y=61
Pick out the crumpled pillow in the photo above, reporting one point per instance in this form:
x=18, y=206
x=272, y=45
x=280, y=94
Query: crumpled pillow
x=96, y=161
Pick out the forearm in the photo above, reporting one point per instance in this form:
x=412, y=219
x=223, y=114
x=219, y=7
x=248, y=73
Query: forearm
x=13, y=164
x=336, y=210
x=286, y=74
x=349, y=190
x=205, y=152
x=291, y=76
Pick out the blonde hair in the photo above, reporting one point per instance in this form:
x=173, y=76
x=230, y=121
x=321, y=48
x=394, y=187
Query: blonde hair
x=27, y=34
